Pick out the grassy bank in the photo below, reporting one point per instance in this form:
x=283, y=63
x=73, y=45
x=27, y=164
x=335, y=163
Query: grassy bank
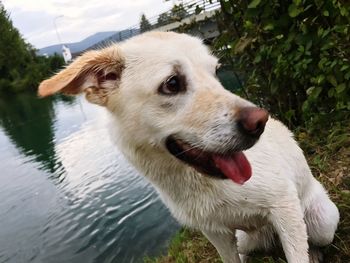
x=329, y=157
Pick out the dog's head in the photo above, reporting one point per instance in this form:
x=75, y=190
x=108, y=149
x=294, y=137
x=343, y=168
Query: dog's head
x=163, y=91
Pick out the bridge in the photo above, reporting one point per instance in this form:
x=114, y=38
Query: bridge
x=192, y=17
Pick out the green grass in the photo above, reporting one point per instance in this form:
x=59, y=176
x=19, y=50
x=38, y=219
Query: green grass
x=328, y=154
x=188, y=246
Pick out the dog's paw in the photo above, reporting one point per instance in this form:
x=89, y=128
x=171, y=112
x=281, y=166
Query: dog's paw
x=315, y=255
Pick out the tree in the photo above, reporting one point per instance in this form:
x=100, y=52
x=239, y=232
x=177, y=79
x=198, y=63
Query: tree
x=145, y=25
x=20, y=68
x=12, y=49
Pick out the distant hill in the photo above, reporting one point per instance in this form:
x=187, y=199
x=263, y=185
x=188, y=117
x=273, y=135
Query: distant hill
x=77, y=47
x=116, y=37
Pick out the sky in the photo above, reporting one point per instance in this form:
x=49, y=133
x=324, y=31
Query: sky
x=77, y=19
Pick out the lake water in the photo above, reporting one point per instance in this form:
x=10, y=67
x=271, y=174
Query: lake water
x=67, y=194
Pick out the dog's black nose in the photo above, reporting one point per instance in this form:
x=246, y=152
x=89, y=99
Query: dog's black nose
x=252, y=120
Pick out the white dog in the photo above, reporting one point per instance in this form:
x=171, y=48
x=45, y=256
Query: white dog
x=199, y=146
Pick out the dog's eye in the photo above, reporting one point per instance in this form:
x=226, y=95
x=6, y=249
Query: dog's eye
x=111, y=76
x=171, y=86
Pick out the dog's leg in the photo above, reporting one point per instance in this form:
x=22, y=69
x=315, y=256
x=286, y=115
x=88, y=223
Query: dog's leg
x=262, y=239
x=321, y=216
x=225, y=244
x=287, y=219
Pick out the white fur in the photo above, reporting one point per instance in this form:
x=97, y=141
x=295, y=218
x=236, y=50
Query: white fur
x=281, y=197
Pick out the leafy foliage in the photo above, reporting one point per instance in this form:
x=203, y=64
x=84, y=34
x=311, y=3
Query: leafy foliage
x=20, y=68
x=293, y=55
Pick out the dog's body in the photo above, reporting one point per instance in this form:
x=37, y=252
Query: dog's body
x=176, y=124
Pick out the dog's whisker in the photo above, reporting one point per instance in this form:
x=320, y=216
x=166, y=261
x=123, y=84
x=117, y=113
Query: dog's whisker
x=193, y=147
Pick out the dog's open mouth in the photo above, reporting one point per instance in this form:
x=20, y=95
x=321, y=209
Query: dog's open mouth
x=234, y=166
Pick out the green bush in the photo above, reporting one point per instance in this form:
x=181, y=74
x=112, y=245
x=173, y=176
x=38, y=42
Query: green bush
x=293, y=56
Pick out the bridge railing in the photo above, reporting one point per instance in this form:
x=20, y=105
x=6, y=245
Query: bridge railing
x=183, y=10
x=175, y=14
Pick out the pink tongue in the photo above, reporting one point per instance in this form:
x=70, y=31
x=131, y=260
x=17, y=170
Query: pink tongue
x=235, y=167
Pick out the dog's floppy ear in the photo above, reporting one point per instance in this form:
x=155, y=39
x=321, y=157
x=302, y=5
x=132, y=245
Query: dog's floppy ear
x=95, y=72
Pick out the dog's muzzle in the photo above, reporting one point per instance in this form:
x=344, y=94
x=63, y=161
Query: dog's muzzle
x=231, y=164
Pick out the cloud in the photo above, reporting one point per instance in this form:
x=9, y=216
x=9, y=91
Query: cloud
x=81, y=18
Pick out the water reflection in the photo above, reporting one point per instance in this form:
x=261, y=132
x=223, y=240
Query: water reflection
x=28, y=122
x=67, y=194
